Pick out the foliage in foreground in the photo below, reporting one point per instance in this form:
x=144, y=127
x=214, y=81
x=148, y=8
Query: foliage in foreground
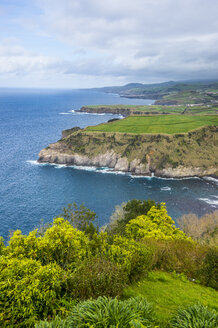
x=29, y=291
x=56, y=323
x=196, y=316
x=42, y=273
x=169, y=292
x=107, y=312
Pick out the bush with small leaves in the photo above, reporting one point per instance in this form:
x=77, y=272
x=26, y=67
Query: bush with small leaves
x=134, y=257
x=2, y=246
x=97, y=277
x=30, y=291
x=177, y=255
x=156, y=224
x=128, y=211
x=208, y=272
x=196, y=316
x=80, y=217
x=61, y=243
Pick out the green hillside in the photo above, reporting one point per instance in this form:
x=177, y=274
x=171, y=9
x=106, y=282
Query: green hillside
x=169, y=292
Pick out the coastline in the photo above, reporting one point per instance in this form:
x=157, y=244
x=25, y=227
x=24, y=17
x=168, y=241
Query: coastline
x=60, y=153
x=179, y=155
x=104, y=169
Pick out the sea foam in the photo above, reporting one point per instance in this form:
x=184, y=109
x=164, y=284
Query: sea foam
x=212, y=202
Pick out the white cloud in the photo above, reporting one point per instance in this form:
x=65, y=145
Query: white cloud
x=171, y=36
x=140, y=40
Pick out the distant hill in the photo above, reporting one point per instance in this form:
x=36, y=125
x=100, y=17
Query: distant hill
x=169, y=93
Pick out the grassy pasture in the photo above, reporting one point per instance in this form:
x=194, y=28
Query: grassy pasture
x=169, y=292
x=168, y=124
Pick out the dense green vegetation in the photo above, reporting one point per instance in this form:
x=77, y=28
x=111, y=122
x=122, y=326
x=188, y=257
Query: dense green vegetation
x=197, y=316
x=168, y=124
x=107, y=312
x=168, y=292
x=52, y=273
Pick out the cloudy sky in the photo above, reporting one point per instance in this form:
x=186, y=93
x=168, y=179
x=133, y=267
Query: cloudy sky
x=88, y=43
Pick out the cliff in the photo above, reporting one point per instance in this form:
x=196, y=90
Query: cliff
x=179, y=155
x=126, y=110
x=106, y=109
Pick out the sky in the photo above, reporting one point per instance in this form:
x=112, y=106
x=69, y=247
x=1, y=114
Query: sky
x=94, y=43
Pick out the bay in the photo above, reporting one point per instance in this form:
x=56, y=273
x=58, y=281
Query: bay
x=29, y=121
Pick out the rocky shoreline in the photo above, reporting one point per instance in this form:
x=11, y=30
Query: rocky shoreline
x=146, y=157
x=116, y=111
x=113, y=161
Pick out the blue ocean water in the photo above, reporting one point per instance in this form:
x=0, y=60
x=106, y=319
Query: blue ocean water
x=29, y=121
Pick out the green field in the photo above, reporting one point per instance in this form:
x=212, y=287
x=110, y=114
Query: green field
x=167, y=124
x=169, y=292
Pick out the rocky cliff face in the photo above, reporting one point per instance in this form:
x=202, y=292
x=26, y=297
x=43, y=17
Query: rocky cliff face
x=182, y=155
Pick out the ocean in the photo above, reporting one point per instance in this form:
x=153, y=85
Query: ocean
x=29, y=121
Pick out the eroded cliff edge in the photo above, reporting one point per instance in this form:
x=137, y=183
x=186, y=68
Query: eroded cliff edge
x=179, y=155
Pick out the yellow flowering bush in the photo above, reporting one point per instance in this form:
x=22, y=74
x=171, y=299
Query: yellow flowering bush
x=29, y=291
x=135, y=258
x=157, y=224
x=61, y=243
x=1, y=245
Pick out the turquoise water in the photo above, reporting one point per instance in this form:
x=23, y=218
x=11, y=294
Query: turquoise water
x=29, y=121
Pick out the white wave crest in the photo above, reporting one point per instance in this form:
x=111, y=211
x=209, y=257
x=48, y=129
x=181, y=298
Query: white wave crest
x=213, y=202
x=33, y=162
x=107, y=170
x=211, y=179
x=165, y=188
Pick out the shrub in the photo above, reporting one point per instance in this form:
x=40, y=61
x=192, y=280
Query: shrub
x=29, y=291
x=61, y=243
x=157, y=224
x=97, y=277
x=126, y=212
x=80, y=217
x=1, y=245
x=177, y=255
x=135, y=258
x=208, y=271
x=107, y=312
x=196, y=316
